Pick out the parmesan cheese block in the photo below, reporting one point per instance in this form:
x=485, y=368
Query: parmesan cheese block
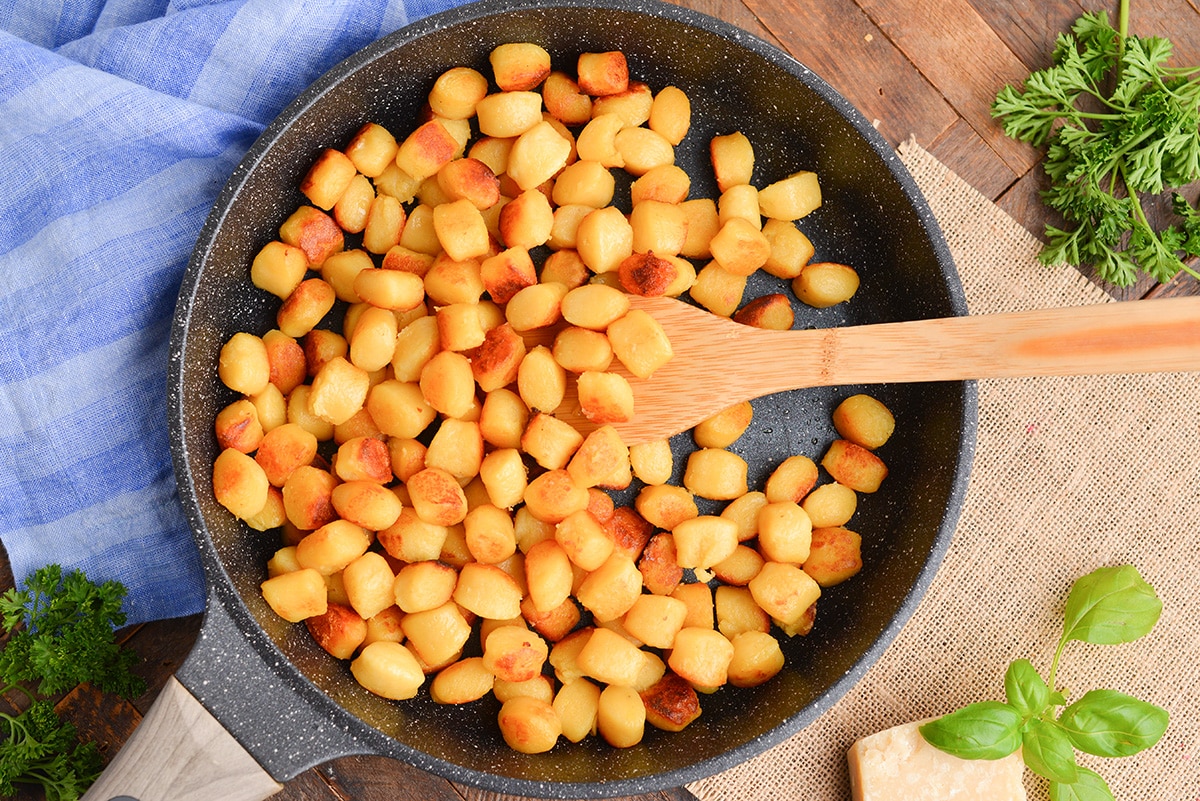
x=898, y=765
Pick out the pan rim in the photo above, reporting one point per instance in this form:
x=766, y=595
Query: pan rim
x=219, y=583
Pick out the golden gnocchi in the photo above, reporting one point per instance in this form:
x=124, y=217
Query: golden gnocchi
x=399, y=424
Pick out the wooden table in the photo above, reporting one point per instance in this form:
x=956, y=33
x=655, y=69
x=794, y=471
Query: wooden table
x=921, y=68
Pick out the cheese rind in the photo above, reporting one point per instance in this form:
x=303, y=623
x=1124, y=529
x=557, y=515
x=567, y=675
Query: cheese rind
x=899, y=765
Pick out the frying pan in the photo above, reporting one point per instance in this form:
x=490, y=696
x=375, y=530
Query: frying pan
x=257, y=702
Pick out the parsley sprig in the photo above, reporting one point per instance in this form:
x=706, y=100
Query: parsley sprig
x=1118, y=125
x=1109, y=606
x=61, y=634
x=39, y=747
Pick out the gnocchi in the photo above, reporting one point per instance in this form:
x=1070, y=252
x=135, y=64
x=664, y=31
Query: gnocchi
x=440, y=527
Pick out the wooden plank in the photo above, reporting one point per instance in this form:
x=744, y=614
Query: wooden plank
x=1029, y=28
x=26, y=792
x=374, y=778
x=162, y=647
x=1177, y=20
x=1184, y=285
x=106, y=720
x=1023, y=203
x=1143, y=287
x=310, y=786
x=840, y=43
x=961, y=149
x=956, y=51
x=734, y=12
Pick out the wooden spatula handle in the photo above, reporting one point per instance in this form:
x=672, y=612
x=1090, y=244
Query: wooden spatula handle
x=1137, y=337
x=1132, y=337
x=718, y=362
x=180, y=752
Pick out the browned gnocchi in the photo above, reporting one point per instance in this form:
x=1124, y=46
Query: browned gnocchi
x=441, y=528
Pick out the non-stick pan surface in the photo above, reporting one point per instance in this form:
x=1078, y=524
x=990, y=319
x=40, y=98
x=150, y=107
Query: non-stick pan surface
x=289, y=703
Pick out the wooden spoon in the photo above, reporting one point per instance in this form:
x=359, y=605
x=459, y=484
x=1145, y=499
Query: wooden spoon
x=718, y=362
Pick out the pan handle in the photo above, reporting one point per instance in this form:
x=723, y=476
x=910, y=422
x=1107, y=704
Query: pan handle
x=181, y=752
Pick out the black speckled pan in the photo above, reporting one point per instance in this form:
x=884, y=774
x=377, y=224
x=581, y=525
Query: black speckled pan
x=289, y=704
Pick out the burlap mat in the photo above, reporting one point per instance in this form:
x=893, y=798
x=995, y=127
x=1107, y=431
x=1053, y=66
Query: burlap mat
x=1070, y=474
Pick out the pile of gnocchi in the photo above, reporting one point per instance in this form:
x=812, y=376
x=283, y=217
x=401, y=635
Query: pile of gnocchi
x=439, y=295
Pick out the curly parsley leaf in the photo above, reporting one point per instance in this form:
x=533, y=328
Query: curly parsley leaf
x=60, y=630
x=1105, y=151
x=38, y=747
x=64, y=634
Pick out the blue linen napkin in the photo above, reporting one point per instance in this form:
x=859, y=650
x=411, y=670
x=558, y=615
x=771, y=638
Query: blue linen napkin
x=119, y=123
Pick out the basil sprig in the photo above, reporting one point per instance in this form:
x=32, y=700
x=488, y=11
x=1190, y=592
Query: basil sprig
x=1109, y=606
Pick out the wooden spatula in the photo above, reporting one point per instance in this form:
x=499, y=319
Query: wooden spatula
x=718, y=362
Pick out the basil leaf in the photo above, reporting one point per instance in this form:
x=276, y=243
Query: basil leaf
x=1048, y=752
x=986, y=730
x=1025, y=689
x=1088, y=787
x=1111, y=724
x=1109, y=606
